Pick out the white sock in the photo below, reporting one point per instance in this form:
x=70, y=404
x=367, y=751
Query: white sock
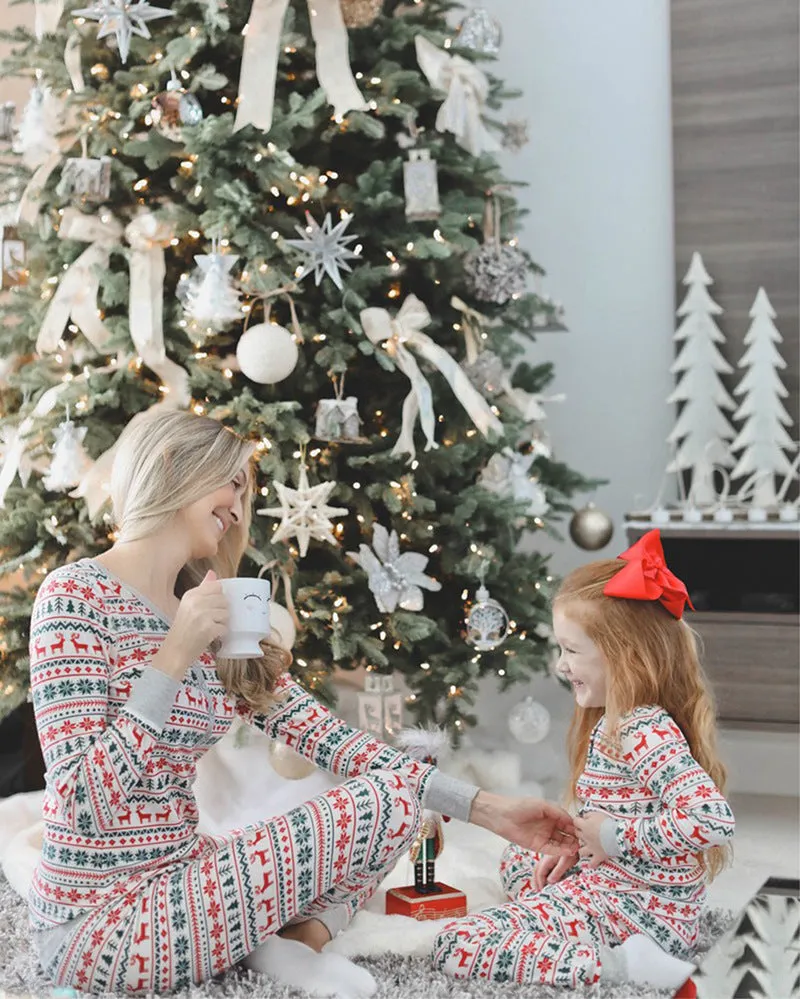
x=642, y=961
x=357, y=981
x=292, y=963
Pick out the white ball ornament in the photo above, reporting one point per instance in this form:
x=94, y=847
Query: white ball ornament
x=267, y=353
x=282, y=630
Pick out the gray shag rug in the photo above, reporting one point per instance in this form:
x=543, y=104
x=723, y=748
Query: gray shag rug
x=397, y=977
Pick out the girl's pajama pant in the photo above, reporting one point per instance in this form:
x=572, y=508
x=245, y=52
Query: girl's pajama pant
x=552, y=936
x=198, y=917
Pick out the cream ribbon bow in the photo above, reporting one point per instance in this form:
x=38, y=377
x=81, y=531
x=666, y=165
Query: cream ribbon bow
x=262, y=45
x=399, y=336
x=467, y=89
x=76, y=296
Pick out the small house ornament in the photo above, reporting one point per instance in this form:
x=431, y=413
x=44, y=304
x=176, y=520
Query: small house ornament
x=338, y=419
x=421, y=186
x=86, y=177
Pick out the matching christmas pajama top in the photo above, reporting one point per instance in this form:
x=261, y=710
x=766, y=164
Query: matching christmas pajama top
x=664, y=810
x=127, y=895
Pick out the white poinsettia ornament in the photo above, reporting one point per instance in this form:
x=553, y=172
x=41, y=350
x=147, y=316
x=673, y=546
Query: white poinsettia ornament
x=395, y=580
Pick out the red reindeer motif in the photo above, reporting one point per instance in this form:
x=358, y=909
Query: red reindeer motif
x=58, y=646
x=142, y=815
x=76, y=645
x=39, y=650
x=141, y=933
x=143, y=960
x=125, y=817
x=400, y=832
x=641, y=744
x=162, y=816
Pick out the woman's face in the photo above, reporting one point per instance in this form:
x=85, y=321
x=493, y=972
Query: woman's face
x=208, y=519
x=581, y=663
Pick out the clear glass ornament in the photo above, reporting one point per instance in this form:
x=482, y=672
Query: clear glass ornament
x=529, y=721
x=480, y=32
x=487, y=622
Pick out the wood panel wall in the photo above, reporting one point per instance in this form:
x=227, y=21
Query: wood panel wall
x=736, y=103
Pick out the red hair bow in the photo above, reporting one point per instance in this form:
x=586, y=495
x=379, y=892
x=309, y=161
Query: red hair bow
x=646, y=577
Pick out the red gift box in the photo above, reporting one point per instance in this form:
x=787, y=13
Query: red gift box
x=447, y=903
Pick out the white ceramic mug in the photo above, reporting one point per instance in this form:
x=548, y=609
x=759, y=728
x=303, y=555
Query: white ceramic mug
x=248, y=624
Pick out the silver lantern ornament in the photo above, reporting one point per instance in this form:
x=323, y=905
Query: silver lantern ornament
x=380, y=706
x=590, y=528
x=487, y=621
x=421, y=186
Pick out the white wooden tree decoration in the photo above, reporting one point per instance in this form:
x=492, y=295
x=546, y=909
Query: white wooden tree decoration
x=702, y=432
x=763, y=438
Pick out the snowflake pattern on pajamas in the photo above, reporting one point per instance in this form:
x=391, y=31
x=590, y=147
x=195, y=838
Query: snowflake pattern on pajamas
x=667, y=810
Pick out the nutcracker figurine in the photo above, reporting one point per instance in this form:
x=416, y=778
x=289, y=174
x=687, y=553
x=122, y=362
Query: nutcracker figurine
x=427, y=898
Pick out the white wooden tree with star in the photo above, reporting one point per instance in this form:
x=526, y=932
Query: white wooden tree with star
x=702, y=432
x=763, y=438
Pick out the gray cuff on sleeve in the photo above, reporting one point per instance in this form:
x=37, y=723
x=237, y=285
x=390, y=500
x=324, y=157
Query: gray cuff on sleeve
x=449, y=796
x=152, y=697
x=608, y=838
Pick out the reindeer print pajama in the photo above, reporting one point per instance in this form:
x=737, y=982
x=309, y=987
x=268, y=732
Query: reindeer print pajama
x=128, y=896
x=664, y=809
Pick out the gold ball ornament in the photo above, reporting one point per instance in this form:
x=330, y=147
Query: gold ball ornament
x=360, y=13
x=590, y=528
x=287, y=763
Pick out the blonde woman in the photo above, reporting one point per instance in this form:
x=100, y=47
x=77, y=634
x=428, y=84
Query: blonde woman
x=128, y=897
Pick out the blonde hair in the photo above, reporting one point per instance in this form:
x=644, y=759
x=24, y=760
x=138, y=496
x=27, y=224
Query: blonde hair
x=651, y=659
x=165, y=461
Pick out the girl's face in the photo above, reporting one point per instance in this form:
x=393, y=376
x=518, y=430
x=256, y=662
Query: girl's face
x=580, y=662
x=208, y=519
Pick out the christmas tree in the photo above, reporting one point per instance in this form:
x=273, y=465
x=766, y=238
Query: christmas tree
x=763, y=438
x=321, y=271
x=702, y=432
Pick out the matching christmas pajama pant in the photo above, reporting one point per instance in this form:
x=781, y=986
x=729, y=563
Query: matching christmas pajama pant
x=192, y=920
x=553, y=936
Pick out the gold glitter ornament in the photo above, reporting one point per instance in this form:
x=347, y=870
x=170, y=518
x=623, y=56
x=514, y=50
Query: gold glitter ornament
x=360, y=13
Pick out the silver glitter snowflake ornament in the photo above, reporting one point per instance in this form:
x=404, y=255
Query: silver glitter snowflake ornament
x=122, y=20
x=327, y=248
x=394, y=579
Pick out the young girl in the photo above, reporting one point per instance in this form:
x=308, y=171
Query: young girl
x=653, y=826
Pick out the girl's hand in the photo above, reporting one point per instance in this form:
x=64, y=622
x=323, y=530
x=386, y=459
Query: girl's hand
x=530, y=822
x=588, y=830
x=548, y=870
x=202, y=617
